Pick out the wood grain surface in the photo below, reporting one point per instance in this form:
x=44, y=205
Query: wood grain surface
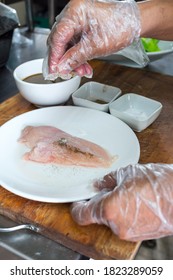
x=54, y=220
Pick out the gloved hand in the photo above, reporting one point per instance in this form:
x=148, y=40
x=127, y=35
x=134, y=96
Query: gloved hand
x=136, y=202
x=86, y=29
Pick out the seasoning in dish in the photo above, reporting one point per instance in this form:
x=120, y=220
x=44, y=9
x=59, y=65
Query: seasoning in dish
x=99, y=101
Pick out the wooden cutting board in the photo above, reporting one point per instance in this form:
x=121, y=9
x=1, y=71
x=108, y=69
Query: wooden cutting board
x=54, y=220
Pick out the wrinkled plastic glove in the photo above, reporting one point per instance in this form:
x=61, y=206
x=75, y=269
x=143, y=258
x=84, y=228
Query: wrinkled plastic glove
x=87, y=29
x=136, y=202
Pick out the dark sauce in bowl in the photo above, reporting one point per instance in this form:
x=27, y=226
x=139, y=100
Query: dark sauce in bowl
x=39, y=79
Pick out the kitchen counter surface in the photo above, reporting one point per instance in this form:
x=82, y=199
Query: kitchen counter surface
x=35, y=47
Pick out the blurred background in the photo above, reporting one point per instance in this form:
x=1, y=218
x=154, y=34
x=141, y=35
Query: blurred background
x=43, y=12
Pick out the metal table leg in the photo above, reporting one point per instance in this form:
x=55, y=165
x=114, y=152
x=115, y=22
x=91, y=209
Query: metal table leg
x=29, y=14
x=51, y=12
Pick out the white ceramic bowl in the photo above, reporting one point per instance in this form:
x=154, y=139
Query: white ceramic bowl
x=95, y=95
x=43, y=94
x=135, y=110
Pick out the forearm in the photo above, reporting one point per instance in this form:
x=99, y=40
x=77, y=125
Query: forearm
x=156, y=19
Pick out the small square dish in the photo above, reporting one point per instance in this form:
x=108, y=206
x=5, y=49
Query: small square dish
x=95, y=95
x=136, y=110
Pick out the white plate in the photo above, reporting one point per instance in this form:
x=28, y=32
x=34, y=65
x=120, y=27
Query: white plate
x=166, y=47
x=53, y=183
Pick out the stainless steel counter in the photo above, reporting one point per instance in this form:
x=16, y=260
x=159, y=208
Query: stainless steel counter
x=25, y=46
x=25, y=244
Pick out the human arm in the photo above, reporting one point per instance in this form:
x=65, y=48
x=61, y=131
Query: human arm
x=136, y=202
x=88, y=29
x=156, y=19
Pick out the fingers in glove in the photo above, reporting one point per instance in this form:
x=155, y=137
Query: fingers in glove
x=81, y=213
x=107, y=183
x=58, y=43
x=89, y=212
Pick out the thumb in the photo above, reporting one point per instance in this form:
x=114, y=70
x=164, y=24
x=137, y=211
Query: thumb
x=81, y=213
x=89, y=212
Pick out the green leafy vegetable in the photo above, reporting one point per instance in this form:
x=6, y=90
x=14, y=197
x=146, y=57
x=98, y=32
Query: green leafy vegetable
x=150, y=45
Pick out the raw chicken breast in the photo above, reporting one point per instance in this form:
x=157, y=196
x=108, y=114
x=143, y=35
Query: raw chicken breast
x=51, y=145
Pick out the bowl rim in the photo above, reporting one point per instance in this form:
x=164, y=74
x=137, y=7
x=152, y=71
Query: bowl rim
x=138, y=96
x=97, y=84
x=38, y=85
x=77, y=93
x=114, y=110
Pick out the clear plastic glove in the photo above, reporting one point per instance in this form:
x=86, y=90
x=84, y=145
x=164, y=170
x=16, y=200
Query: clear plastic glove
x=87, y=29
x=136, y=202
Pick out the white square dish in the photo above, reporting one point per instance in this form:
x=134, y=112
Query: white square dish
x=136, y=110
x=95, y=95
